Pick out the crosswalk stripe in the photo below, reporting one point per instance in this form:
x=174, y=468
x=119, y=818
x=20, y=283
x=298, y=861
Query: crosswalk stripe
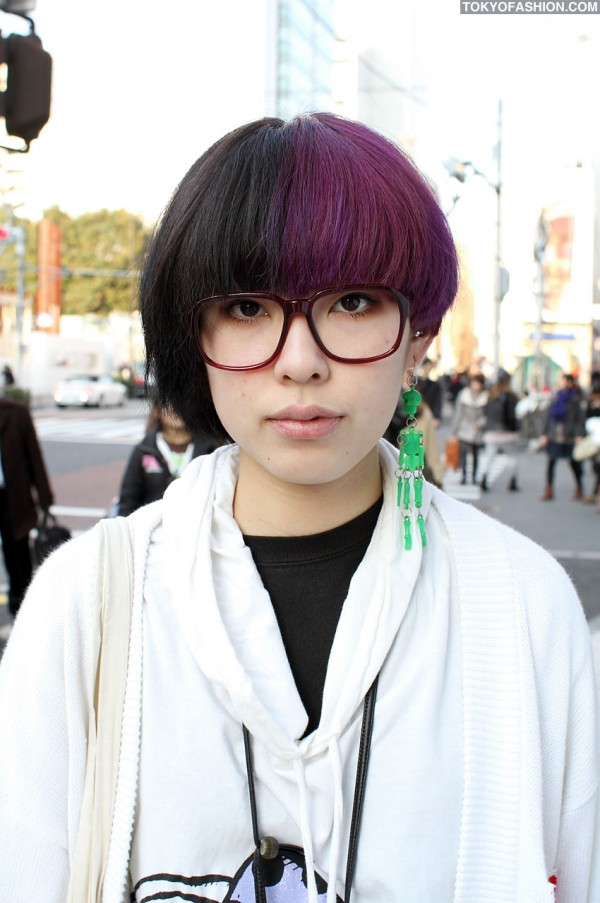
x=110, y=430
x=73, y=511
x=470, y=492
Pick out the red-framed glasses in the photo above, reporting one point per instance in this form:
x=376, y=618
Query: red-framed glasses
x=355, y=324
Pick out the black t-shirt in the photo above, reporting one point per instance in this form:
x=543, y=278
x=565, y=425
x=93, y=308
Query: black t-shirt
x=307, y=578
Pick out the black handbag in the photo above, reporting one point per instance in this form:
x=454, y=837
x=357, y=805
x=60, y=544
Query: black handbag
x=49, y=536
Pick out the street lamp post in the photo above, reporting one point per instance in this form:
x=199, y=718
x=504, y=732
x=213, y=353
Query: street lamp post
x=12, y=234
x=501, y=285
x=459, y=169
x=539, y=251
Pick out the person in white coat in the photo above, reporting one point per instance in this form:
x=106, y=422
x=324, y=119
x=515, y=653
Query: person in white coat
x=330, y=690
x=468, y=424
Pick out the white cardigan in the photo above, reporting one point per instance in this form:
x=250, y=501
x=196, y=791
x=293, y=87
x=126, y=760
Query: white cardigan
x=530, y=805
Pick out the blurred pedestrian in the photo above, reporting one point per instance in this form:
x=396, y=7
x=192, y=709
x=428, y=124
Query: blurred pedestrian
x=501, y=431
x=434, y=466
x=24, y=493
x=320, y=693
x=160, y=458
x=431, y=391
x=564, y=422
x=468, y=422
x=7, y=376
x=455, y=383
x=592, y=428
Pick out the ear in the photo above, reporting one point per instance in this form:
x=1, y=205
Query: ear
x=419, y=345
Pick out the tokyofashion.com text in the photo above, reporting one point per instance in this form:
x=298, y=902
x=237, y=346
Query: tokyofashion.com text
x=516, y=7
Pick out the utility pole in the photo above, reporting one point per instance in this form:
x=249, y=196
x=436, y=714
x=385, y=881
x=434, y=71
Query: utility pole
x=19, y=239
x=459, y=170
x=15, y=235
x=539, y=251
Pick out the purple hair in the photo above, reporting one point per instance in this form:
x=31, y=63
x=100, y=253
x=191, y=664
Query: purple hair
x=351, y=207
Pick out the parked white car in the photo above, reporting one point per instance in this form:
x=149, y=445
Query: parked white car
x=89, y=390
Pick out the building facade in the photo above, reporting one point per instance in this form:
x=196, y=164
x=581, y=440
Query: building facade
x=305, y=49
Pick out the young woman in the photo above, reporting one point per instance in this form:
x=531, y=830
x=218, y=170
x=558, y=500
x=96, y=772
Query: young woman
x=501, y=431
x=328, y=694
x=161, y=457
x=564, y=424
x=468, y=423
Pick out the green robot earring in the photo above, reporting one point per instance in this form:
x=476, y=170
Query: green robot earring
x=411, y=460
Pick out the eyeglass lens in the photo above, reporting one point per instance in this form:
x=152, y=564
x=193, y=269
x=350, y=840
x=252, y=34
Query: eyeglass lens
x=245, y=330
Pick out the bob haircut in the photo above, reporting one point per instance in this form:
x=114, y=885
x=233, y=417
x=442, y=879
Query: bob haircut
x=292, y=207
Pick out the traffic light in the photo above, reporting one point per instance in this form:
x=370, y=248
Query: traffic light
x=25, y=104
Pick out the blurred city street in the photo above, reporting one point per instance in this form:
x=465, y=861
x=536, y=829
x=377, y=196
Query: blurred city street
x=86, y=452
x=569, y=530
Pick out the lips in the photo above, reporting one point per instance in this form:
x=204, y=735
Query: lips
x=298, y=412
x=310, y=422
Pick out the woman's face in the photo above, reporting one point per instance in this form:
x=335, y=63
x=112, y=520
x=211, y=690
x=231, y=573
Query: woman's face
x=306, y=419
x=171, y=420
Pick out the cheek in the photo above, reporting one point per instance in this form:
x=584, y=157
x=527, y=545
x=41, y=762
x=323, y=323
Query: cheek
x=381, y=393
x=231, y=395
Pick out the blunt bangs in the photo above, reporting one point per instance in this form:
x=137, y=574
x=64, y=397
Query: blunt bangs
x=292, y=207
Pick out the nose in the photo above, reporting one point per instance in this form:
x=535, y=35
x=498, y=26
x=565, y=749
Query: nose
x=301, y=359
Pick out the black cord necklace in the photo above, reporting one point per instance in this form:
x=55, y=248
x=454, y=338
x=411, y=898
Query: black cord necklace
x=268, y=848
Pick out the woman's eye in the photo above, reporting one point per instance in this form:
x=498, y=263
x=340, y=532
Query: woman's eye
x=245, y=310
x=352, y=304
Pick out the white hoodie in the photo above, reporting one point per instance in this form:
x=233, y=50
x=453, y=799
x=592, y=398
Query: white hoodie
x=484, y=769
x=235, y=670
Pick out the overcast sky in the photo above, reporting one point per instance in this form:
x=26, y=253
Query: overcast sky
x=133, y=107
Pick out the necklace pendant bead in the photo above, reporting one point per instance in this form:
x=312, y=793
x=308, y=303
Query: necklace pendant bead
x=268, y=847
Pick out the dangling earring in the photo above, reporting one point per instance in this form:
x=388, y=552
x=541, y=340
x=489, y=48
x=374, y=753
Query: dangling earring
x=411, y=460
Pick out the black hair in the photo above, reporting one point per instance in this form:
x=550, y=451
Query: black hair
x=207, y=242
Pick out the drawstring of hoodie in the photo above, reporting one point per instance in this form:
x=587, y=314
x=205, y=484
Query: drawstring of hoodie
x=307, y=845
x=338, y=815
x=268, y=847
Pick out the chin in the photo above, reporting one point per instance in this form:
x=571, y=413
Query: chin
x=303, y=471
x=310, y=465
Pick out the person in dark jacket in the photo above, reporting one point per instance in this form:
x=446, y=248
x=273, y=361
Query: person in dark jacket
x=501, y=430
x=22, y=471
x=159, y=459
x=431, y=391
x=7, y=376
x=564, y=423
x=592, y=413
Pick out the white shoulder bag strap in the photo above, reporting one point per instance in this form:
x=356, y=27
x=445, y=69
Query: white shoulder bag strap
x=115, y=601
